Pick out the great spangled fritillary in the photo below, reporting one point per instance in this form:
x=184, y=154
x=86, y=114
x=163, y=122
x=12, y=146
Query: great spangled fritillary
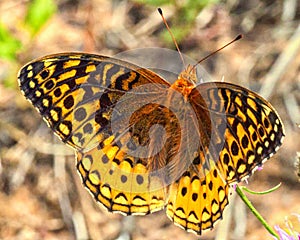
x=143, y=144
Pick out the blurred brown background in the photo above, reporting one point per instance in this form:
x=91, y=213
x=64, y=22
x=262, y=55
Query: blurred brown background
x=41, y=194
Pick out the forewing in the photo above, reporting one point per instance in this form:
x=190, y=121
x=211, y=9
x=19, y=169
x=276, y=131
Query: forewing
x=246, y=130
x=76, y=93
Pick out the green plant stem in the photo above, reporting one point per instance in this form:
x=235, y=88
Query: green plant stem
x=255, y=212
x=261, y=193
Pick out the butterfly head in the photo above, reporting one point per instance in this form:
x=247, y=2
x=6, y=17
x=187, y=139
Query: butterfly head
x=186, y=81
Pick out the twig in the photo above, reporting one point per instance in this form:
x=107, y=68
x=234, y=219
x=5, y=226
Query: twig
x=43, y=146
x=223, y=229
x=292, y=107
x=281, y=64
x=62, y=191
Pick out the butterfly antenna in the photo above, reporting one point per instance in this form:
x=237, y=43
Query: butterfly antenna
x=218, y=50
x=172, y=36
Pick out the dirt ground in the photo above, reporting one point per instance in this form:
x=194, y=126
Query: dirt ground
x=41, y=193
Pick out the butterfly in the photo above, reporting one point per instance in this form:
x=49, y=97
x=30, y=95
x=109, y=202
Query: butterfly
x=143, y=144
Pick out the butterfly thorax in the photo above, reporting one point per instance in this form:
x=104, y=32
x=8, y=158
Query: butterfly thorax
x=185, y=82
